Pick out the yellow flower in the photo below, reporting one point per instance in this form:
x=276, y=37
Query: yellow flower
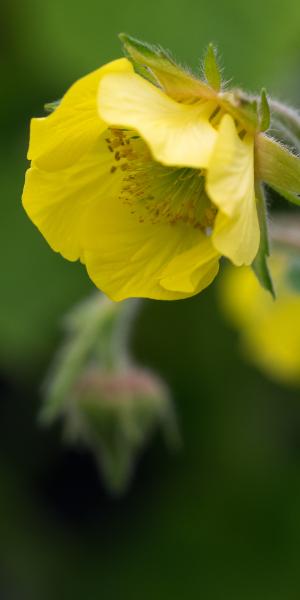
x=147, y=184
x=270, y=330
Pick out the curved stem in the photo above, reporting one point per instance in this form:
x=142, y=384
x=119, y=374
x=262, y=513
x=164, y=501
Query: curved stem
x=285, y=231
x=286, y=114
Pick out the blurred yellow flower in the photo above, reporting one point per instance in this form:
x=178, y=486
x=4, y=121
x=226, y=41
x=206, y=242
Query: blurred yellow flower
x=269, y=330
x=145, y=189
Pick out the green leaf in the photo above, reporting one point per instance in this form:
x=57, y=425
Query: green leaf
x=265, y=115
x=176, y=81
x=260, y=264
x=212, y=69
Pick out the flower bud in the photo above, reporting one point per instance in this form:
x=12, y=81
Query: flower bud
x=115, y=414
x=269, y=331
x=106, y=402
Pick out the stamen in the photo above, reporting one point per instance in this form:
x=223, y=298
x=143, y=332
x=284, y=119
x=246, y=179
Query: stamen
x=214, y=113
x=157, y=193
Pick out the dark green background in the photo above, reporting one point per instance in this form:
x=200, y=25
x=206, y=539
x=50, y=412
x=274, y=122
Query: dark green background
x=222, y=518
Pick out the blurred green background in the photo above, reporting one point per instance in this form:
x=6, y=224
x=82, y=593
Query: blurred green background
x=222, y=518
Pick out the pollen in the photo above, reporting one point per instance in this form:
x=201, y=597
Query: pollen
x=157, y=193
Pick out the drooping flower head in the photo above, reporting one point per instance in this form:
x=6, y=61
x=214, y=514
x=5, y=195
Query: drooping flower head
x=149, y=175
x=269, y=331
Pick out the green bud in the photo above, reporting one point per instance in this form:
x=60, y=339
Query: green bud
x=106, y=403
x=116, y=415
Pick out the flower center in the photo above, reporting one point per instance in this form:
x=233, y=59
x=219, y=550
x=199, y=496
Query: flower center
x=155, y=192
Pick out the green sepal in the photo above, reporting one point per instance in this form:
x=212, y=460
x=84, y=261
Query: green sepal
x=278, y=167
x=212, y=69
x=176, y=81
x=242, y=108
x=51, y=106
x=260, y=263
x=264, y=109
x=117, y=421
x=145, y=72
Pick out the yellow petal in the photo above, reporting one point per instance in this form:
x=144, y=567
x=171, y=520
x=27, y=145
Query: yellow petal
x=58, y=201
x=193, y=269
x=126, y=258
x=80, y=212
x=58, y=140
x=230, y=185
x=177, y=134
x=230, y=176
x=238, y=237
